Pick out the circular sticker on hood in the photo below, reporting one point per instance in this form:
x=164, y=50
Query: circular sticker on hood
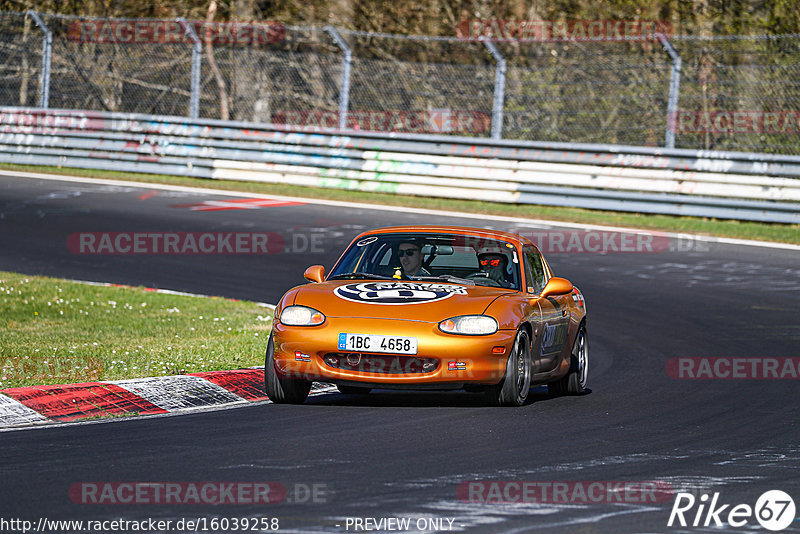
x=397, y=292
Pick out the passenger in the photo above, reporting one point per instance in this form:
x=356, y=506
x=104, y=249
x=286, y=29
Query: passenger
x=494, y=264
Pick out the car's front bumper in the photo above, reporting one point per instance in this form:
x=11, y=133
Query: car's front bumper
x=300, y=353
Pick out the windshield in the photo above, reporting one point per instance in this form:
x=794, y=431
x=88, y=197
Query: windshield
x=426, y=256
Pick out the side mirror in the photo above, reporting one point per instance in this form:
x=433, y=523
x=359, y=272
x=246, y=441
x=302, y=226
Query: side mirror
x=556, y=286
x=316, y=273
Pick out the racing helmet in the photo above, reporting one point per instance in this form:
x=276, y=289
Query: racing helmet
x=498, y=251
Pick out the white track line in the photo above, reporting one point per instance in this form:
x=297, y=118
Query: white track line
x=399, y=209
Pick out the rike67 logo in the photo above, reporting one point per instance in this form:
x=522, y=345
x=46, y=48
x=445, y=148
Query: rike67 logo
x=774, y=510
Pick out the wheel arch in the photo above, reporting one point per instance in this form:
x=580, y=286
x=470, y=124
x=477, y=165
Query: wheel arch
x=526, y=325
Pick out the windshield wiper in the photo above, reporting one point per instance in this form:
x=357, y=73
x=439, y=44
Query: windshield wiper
x=446, y=278
x=366, y=276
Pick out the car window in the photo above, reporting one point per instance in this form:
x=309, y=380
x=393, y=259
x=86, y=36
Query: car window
x=439, y=255
x=534, y=269
x=462, y=257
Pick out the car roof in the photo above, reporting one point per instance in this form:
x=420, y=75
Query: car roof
x=432, y=229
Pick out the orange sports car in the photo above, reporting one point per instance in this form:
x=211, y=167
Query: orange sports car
x=431, y=307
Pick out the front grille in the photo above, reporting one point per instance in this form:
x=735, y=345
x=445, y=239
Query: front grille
x=380, y=363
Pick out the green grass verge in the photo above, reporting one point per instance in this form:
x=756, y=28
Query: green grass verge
x=783, y=233
x=57, y=331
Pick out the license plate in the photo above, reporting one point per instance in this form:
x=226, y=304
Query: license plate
x=376, y=343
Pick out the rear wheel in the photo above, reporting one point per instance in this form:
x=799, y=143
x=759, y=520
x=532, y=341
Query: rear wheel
x=282, y=390
x=516, y=384
x=353, y=390
x=574, y=383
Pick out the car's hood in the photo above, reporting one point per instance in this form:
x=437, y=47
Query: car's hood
x=422, y=301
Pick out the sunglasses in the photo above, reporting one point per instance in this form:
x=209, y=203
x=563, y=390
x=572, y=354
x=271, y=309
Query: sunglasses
x=407, y=252
x=494, y=262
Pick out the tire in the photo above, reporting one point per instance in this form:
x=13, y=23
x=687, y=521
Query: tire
x=574, y=382
x=516, y=384
x=282, y=390
x=353, y=390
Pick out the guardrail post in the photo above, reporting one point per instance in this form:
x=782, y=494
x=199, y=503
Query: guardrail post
x=347, y=59
x=197, y=54
x=47, y=55
x=674, y=89
x=499, y=90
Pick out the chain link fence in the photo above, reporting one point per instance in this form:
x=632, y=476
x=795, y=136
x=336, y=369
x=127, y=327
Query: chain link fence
x=598, y=92
x=297, y=73
x=95, y=66
x=21, y=44
x=753, y=79
x=731, y=93
x=421, y=84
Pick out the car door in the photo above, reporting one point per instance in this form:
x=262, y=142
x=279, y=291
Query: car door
x=553, y=330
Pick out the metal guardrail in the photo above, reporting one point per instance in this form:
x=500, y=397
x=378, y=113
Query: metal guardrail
x=729, y=185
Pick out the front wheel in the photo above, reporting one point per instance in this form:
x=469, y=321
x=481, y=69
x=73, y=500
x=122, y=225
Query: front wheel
x=282, y=390
x=574, y=382
x=513, y=389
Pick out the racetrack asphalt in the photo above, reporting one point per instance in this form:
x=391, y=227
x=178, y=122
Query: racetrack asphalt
x=400, y=454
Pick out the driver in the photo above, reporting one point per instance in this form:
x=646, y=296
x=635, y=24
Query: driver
x=410, y=254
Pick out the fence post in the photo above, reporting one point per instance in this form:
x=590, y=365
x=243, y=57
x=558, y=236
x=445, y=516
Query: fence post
x=197, y=54
x=47, y=54
x=674, y=89
x=347, y=59
x=499, y=89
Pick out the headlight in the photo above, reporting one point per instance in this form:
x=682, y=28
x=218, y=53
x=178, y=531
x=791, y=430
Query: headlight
x=471, y=325
x=301, y=316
